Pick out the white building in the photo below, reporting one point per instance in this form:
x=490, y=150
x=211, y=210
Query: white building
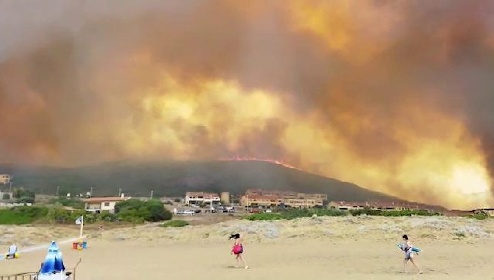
x=5, y=179
x=100, y=204
x=198, y=198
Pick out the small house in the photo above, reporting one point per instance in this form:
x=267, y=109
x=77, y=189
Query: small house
x=100, y=204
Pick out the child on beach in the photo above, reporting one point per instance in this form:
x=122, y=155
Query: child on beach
x=409, y=254
x=12, y=254
x=238, y=249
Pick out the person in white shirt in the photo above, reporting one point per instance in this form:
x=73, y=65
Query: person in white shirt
x=409, y=254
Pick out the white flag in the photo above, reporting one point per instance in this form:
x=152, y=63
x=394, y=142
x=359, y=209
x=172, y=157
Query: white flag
x=78, y=221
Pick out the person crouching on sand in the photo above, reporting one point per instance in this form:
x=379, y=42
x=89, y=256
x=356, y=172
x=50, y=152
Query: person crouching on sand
x=409, y=254
x=238, y=249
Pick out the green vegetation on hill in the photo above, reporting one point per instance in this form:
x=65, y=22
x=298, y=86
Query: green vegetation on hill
x=294, y=214
x=303, y=213
x=130, y=211
x=393, y=213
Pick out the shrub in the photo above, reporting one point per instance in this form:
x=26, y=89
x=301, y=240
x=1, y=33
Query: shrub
x=459, y=234
x=294, y=213
x=393, y=213
x=23, y=196
x=137, y=211
x=57, y=214
x=157, y=211
x=264, y=217
x=176, y=223
x=480, y=216
x=22, y=215
x=69, y=202
x=8, y=217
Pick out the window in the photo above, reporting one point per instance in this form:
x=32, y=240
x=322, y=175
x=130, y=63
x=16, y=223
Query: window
x=107, y=204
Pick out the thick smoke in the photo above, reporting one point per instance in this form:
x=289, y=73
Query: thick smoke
x=387, y=94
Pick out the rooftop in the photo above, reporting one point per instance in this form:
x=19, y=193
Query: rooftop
x=106, y=199
x=279, y=193
x=200, y=194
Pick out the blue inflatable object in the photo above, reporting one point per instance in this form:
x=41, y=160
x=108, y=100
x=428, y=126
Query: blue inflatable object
x=414, y=249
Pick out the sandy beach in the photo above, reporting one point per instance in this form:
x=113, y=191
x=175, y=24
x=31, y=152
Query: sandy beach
x=321, y=247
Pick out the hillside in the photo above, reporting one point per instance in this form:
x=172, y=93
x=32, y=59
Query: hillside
x=175, y=178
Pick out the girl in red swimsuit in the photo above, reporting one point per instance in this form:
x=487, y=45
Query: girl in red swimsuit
x=238, y=249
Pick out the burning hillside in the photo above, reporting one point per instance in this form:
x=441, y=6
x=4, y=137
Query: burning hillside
x=395, y=96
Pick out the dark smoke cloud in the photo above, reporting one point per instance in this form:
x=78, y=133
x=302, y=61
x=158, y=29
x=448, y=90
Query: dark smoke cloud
x=68, y=91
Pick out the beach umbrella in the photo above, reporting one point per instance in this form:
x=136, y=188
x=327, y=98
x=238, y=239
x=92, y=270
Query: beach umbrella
x=53, y=261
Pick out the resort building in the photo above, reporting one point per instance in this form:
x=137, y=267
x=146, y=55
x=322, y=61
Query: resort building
x=5, y=179
x=261, y=200
x=198, y=198
x=272, y=198
x=303, y=202
x=100, y=204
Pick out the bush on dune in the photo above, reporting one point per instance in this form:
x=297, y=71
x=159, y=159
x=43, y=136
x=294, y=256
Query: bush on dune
x=264, y=217
x=22, y=215
x=176, y=223
x=301, y=213
x=480, y=216
x=137, y=211
x=75, y=203
x=393, y=213
x=294, y=214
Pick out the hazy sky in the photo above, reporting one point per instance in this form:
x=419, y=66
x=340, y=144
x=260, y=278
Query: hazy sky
x=395, y=96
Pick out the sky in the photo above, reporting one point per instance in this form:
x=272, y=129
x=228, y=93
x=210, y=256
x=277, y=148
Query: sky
x=395, y=96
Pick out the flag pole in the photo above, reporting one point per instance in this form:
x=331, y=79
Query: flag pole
x=82, y=226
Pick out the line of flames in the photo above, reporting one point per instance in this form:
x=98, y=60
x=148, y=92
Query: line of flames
x=273, y=161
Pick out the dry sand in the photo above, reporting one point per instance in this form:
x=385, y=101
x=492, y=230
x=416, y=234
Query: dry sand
x=320, y=248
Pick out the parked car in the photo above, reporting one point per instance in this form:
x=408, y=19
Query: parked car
x=189, y=212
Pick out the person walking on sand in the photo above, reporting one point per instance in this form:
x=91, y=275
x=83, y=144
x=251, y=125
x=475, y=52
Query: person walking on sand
x=238, y=249
x=409, y=254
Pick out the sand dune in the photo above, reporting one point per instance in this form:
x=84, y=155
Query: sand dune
x=336, y=247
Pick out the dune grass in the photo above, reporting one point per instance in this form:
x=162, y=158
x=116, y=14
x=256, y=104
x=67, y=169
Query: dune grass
x=175, y=223
x=21, y=215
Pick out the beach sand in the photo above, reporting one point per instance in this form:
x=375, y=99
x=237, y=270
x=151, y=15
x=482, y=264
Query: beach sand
x=329, y=247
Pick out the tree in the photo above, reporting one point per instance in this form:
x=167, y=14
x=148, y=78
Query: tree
x=157, y=211
x=24, y=196
x=134, y=210
x=70, y=202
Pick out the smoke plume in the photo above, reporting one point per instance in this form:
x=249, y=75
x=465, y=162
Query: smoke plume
x=395, y=96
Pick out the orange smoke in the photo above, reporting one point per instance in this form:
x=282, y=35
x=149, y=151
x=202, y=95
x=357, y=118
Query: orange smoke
x=434, y=156
x=355, y=90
